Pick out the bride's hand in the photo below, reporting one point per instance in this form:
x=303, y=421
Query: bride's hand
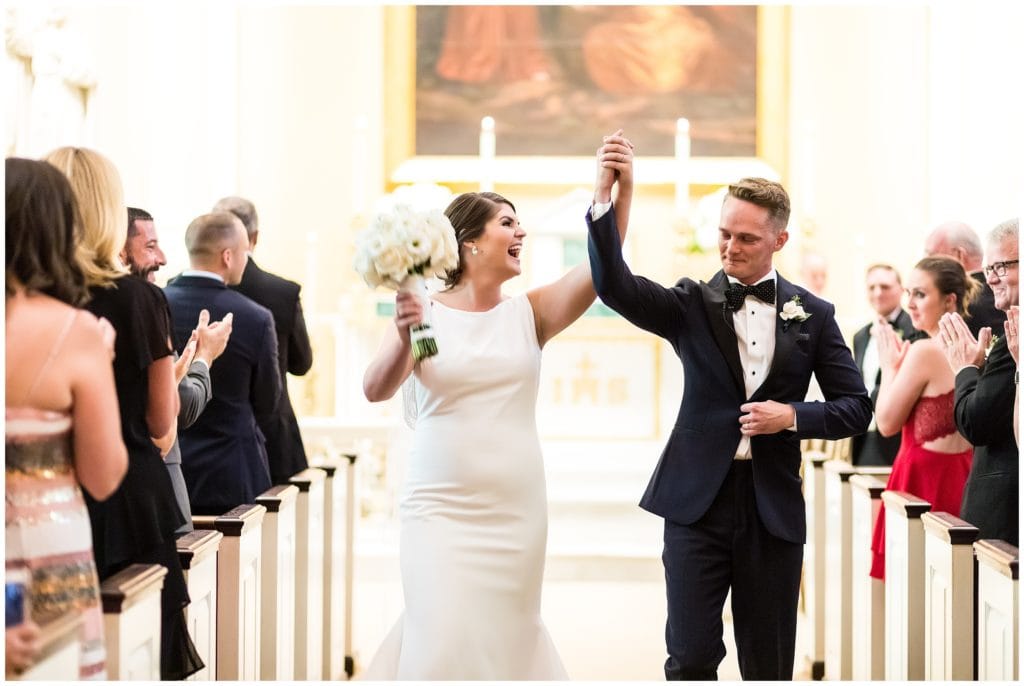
x=408, y=312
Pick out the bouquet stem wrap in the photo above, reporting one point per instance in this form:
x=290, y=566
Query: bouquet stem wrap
x=424, y=344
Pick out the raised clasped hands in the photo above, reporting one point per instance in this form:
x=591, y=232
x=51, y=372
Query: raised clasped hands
x=892, y=350
x=958, y=343
x=766, y=417
x=614, y=163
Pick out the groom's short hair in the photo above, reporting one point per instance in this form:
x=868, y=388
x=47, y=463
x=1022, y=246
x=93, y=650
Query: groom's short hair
x=767, y=194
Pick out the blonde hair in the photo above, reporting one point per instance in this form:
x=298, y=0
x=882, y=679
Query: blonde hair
x=100, y=197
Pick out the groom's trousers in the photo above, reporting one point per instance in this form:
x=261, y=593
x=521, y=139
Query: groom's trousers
x=730, y=547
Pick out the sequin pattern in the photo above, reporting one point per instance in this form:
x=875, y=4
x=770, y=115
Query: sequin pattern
x=47, y=528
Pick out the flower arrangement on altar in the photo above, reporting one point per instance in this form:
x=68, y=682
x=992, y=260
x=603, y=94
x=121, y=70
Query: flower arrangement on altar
x=400, y=247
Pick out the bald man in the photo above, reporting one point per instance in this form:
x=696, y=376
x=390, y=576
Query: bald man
x=958, y=240
x=223, y=455
x=294, y=353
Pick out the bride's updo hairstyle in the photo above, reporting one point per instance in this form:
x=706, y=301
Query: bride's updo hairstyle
x=949, y=277
x=469, y=214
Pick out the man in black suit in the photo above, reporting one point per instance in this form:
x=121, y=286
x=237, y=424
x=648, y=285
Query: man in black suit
x=224, y=457
x=295, y=355
x=728, y=481
x=144, y=257
x=885, y=290
x=959, y=241
x=985, y=392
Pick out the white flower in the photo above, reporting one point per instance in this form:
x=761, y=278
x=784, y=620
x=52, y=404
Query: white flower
x=793, y=309
x=402, y=241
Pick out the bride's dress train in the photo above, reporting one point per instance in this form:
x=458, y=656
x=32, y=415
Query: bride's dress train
x=474, y=511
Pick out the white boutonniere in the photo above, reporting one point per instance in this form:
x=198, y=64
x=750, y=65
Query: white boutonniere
x=793, y=310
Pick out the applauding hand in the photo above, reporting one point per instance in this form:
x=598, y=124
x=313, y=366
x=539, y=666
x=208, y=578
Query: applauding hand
x=891, y=349
x=958, y=343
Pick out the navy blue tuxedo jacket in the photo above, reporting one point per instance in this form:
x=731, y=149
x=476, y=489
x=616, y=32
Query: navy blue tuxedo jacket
x=223, y=454
x=285, y=451
x=692, y=316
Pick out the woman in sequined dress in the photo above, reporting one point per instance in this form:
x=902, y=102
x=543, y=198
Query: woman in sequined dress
x=58, y=376
x=916, y=396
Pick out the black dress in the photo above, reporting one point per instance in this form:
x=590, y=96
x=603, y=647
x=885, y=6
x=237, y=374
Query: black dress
x=137, y=523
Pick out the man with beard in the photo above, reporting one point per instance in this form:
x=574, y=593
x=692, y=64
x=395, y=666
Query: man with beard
x=143, y=256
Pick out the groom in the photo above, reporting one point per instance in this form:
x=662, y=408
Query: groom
x=728, y=481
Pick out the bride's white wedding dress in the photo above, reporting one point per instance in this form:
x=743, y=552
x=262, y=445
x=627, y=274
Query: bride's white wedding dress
x=474, y=510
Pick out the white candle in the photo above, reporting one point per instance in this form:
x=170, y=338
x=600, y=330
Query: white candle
x=360, y=155
x=807, y=172
x=309, y=295
x=487, y=148
x=682, y=167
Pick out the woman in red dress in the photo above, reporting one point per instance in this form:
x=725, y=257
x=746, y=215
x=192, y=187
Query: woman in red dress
x=916, y=395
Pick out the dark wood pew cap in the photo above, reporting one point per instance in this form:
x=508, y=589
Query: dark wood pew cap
x=997, y=554
x=127, y=587
x=278, y=496
x=950, y=529
x=841, y=468
x=196, y=546
x=234, y=522
x=867, y=482
x=307, y=477
x=911, y=506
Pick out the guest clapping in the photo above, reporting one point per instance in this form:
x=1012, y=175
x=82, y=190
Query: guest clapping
x=137, y=523
x=916, y=396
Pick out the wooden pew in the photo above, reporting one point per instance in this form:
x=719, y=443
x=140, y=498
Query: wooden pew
x=309, y=565
x=904, y=586
x=997, y=610
x=839, y=566
x=277, y=632
x=238, y=591
x=197, y=551
x=131, y=622
x=949, y=597
x=336, y=572
x=814, y=557
x=60, y=651
x=867, y=595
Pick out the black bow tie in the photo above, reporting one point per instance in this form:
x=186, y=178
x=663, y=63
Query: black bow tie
x=735, y=293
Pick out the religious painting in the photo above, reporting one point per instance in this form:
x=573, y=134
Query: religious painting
x=556, y=78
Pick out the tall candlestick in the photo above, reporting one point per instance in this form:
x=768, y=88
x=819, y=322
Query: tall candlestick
x=360, y=155
x=682, y=167
x=309, y=296
x=487, y=148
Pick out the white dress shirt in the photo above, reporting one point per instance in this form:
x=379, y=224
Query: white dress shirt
x=755, y=336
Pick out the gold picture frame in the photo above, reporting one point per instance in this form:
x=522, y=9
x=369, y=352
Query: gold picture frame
x=402, y=165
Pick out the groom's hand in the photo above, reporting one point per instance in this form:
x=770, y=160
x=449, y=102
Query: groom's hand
x=768, y=417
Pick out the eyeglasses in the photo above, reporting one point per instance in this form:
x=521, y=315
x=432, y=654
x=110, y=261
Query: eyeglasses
x=998, y=267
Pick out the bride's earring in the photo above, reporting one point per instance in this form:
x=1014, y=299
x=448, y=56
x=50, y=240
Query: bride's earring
x=475, y=251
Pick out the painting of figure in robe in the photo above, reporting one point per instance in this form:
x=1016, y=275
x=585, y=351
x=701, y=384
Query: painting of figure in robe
x=556, y=78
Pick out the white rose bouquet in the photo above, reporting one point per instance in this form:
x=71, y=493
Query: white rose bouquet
x=398, y=249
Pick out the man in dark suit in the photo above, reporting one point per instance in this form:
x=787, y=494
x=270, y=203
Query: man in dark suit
x=985, y=392
x=224, y=456
x=959, y=241
x=144, y=257
x=295, y=355
x=728, y=481
x=884, y=293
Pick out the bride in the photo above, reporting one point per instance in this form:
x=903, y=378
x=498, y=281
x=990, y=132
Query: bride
x=474, y=511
